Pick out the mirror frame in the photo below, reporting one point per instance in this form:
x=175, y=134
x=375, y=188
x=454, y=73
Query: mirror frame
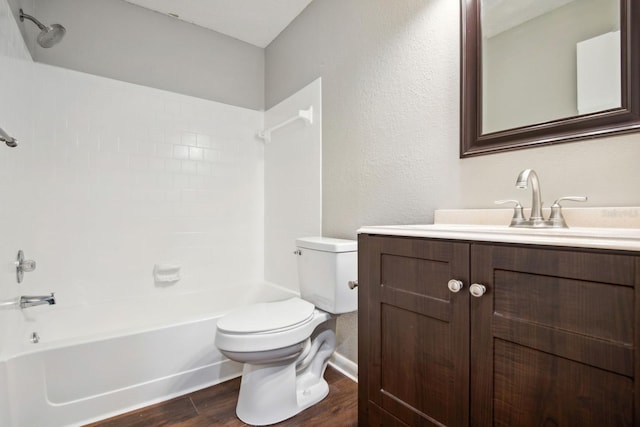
x=625, y=119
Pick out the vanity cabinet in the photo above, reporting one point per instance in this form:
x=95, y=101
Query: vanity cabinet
x=550, y=342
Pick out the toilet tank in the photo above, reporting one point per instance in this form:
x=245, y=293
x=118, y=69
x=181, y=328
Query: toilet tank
x=325, y=267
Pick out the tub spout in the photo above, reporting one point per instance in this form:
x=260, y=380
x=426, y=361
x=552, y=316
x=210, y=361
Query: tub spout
x=32, y=301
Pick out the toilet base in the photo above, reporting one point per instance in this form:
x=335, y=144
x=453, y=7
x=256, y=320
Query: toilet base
x=270, y=393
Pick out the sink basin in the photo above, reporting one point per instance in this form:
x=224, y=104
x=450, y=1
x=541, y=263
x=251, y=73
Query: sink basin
x=587, y=237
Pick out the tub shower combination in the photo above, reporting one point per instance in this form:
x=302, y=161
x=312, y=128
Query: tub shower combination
x=181, y=178
x=94, y=361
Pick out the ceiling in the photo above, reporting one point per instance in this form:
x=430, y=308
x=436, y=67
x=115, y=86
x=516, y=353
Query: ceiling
x=253, y=21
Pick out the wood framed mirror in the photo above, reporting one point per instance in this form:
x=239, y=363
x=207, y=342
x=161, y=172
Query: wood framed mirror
x=517, y=61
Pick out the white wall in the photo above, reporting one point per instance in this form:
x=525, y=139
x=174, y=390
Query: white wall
x=12, y=226
x=115, y=39
x=11, y=41
x=390, y=80
x=111, y=178
x=293, y=183
x=5, y=407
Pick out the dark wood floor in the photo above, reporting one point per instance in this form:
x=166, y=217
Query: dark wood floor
x=216, y=406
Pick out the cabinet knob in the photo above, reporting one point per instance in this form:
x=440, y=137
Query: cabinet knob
x=455, y=285
x=477, y=290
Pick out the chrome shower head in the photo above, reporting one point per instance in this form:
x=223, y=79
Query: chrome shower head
x=49, y=35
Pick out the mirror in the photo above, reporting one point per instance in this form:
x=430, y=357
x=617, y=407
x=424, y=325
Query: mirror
x=538, y=72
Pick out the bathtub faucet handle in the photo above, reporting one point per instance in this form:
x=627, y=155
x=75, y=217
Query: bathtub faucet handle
x=28, y=265
x=23, y=266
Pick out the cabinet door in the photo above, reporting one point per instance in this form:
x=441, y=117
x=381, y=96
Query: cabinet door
x=414, y=339
x=552, y=338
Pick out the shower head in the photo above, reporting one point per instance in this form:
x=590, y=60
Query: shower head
x=49, y=35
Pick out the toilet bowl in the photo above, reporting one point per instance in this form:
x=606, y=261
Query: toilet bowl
x=285, y=345
x=273, y=386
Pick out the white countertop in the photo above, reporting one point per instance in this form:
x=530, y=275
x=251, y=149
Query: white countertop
x=621, y=230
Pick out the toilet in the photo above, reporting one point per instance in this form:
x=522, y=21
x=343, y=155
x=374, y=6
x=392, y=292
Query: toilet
x=285, y=345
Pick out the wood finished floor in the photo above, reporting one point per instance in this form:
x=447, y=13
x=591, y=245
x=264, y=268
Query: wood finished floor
x=216, y=406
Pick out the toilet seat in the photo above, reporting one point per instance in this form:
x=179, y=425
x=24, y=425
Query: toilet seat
x=267, y=317
x=294, y=321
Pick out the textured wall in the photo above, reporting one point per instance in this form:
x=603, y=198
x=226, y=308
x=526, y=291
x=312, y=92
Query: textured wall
x=390, y=73
x=390, y=110
x=116, y=39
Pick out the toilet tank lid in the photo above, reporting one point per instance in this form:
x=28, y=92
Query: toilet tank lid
x=327, y=244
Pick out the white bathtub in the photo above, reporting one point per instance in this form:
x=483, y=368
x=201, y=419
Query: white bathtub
x=97, y=361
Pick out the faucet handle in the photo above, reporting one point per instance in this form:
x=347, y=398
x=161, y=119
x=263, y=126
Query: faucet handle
x=518, y=214
x=23, y=266
x=556, y=218
x=571, y=198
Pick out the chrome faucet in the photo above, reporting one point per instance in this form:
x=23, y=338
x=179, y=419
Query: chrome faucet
x=536, y=219
x=32, y=301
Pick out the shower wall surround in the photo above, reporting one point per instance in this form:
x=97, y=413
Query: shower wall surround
x=111, y=178
x=14, y=228
x=293, y=183
x=11, y=41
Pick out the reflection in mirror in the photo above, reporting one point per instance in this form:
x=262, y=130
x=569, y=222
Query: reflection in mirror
x=544, y=60
x=538, y=72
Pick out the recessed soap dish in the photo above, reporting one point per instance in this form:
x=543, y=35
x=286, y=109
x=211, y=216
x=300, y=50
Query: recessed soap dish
x=166, y=274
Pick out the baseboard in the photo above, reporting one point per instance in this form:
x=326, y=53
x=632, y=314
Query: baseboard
x=345, y=366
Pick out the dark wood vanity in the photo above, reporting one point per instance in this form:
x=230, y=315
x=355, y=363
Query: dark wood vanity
x=551, y=342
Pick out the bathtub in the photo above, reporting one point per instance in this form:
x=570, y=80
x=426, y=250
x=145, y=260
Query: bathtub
x=96, y=361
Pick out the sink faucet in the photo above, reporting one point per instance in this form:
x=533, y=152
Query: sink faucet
x=536, y=220
x=529, y=175
x=32, y=301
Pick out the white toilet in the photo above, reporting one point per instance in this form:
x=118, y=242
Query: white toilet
x=285, y=345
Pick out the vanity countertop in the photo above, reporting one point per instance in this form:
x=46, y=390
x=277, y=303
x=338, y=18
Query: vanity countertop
x=603, y=228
